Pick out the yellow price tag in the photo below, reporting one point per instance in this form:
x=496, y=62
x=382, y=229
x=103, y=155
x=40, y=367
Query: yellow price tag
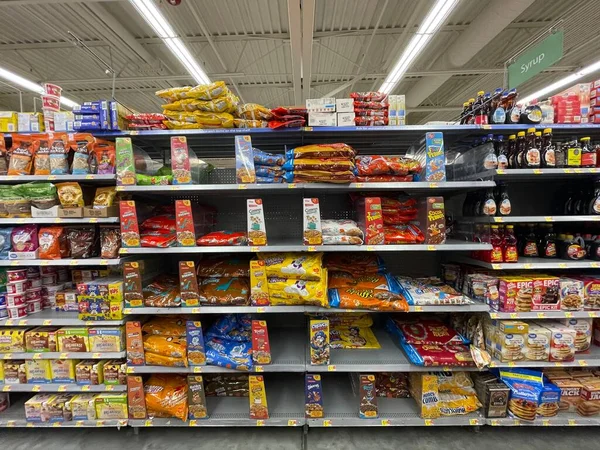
x=331, y=368
x=493, y=315
x=431, y=248
x=546, y=422
x=193, y=423
x=473, y=421
x=174, y=188
x=516, y=422
x=11, y=423
x=119, y=188
x=537, y=171
x=562, y=265
x=260, y=423
x=255, y=249
x=418, y=309
x=56, y=425
x=446, y=369
x=370, y=248
x=7, y=356
x=568, y=315
x=47, y=322
x=494, y=422
x=14, y=263
x=572, y=422
x=259, y=369
x=582, y=362
x=385, y=422
x=592, y=314
x=568, y=170
x=327, y=423
x=79, y=423
x=63, y=356
x=100, y=423
x=558, y=364
x=22, y=322
x=292, y=186
x=527, y=266
x=242, y=186
x=29, y=425
x=359, y=185
x=96, y=355
x=260, y=309
x=124, y=251
x=86, y=387
x=58, y=220
x=433, y=185
x=109, y=387
x=130, y=369
x=511, y=364
x=6, y=388
x=93, y=220
x=541, y=315
x=578, y=171
x=595, y=265
x=311, y=248
x=498, y=219
x=548, y=219
x=195, y=310
x=486, y=126
x=133, y=132
x=45, y=263
x=496, y=266
x=74, y=262
x=9, y=322
x=36, y=388
x=62, y=388
x=127, y=311
x=197, y=369
x=428, y=422
x=148, y=423
x=513, y=315
x=37, y=356
x=500, y=171
x=292, y=423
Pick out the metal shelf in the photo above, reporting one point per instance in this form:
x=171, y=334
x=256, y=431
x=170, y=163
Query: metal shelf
x=63, y=355
x=217, y=310
x=62, y=262
x=562, y=419
x=341, y=405
x=591, y=359
x=57, y=220
x=287, y=354
x=530, y=219
x=534, y=174
x=531, y=263
x=451, y=245
x=51, y=317
x=545, y=315
x=84, y=178
x=474, y=307
x=58, y=387
x=285, y=401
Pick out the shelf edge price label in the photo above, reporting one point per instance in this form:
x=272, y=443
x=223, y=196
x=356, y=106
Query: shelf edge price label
x=29, y=425
x=11, y=423
x=195, y=310
x=592, y=314
x=493, y=315
x=513, y=315
x=109, y=387
x=63, y=356
x=47, y=322
x=242, y=186
x=260, y=309
x=498, y=219
x=311, y=248
x=260, y=423
x=96, y=355
x=129, y=370
x=385, y=422
x=473, y=421
x=37, y=356
x=193, y=423
x=148, y=423
x=582, y=362
x=496, y=266
x=100, y=423
x=56, y=424
x=418, y=309
x=292, y=186
x=62, y=388
x=548, y=218
x=433, y=185
x=572, y=422
x=326, y=423
x=545, y=422
x=7, y=356
x=500, y=171
x=331, y=368
x=127, y=311
x=595, y=265
x=36, y=388
x=370, y=248
x=259, y=369
x=6, y=388
x=79, y=423
x=428, y=422
x=558, y=364
x=569, y=315
x=359, y=185
x=494, y=422
x=86, y=387
x=537, y=171
x=562, y=265
x=255, y=249
x=541, y=315
x=516, y=422
x=527, y=266
x=197, y=369
x=431, y=248
x=511, y=364
x=292, y=423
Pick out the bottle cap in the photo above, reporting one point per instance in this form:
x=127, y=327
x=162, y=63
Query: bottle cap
x=480, y=93
x=465, y=104
x=471, y=100
x=585, y=138
x=547, y=130
x=521, y=133
x=531, y=130
x=538, y=133
x=512, y=136
x=510, y=227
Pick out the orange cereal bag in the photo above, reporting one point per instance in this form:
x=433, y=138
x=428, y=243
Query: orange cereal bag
x=21, y=154
x=49, y=239
x=166, y=396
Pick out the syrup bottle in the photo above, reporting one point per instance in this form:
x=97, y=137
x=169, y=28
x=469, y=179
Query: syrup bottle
x=509, y=245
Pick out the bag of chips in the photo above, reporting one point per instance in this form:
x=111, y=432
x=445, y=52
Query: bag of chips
x=25, y=238
x=166, y=395
x=161, y=222
x=104, y=197
x=403, y=234
x=82, y=145
x=229, y=354
x=154, y=359
x=247, y=123
x=254, y=111
x=173, y=94
x=214, y=119
x=386, y=165
x=171, y=346
x=319, y=176
x=82, y=241
x=219, y=238
x=355, y=263
x=49, y=241
x=319, y=164
x=383, y=281
x=370, y=299
x=299, y=266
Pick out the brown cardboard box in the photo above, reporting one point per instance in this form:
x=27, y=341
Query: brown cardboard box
x=71, y=213
x=109, y=211
x=590, y=400
x=570, y=394
x=135, y=344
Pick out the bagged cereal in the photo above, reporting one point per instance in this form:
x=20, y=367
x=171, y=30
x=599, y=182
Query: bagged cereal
x=166, y=395
x=171, y=346
x=371, y=299
x=70, y=194
x=219, y=266
x=254, y=111
x=173, y=94
x=300, y=266
x=167, y=326
x=283, y=291
x=105, y=196
x=224, y=291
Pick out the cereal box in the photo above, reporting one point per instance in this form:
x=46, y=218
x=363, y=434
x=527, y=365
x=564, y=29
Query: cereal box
x=90, y=372
x=132, y=285
x=180, y=160
x=432, y=219
x=244, y=160
x=136, y=400
x=33, y=407
x=368, y=397
x=82, y=406
x=196, y=398
x=583, y=330
x=63, y=370
x=370, y=220
x=41, y=339
x=537, y=343
x=591, y=292
x=134, y=343
x=319, y=342
x=38, y=371
x=562, y=342
x=258, y=397
x=571, y=294
x=312, y=222
x=195, y=344
x=313, y=393
x=435, y=158
x=423, y=388
x=259, y=294
x=184, y=221
x=257, y=232
x=261, y=349
x=106, y=339
x=12, y=340
x=114, y=372
x=125, y=162
x=188, y=284
x=130, y=232
x=111, y=405
x=545, y=294
x=73, y=340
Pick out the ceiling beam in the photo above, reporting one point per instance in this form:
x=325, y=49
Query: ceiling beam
x=14, y=3
x=308, y=26
x=296, y=47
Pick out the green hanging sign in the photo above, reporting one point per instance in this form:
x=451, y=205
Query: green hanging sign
x=536, y=59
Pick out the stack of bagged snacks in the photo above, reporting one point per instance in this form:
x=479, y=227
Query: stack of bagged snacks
x=399, y=221
x=165, y=342
x=341, y=232
x=229, y=342
x=370, y=108
x=291, y=278
x=288, y=117
x=320, y=163
x=268, y=167
x=223, y=281
x=166, y=395
x=430, y=291
x=252, y=115
x=386, y=169
x=146, y=121
x=360, y=281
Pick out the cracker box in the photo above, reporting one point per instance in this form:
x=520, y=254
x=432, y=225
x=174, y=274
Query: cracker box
x=370, y=220
x=12, y=340
x=188, y=284
x=130, y=232
x=537, y=343
x=90, y=372
x=583, y=330
x=312, y=222
x=313, y=394
x=324, y=104
x=259, y=294
x=134, y=343
x=571, y=294
x=180, y=160
x=319, y=342
x=435, y=157
x=106, y=339
x=244, y=160
x=63, y=370
x=368, y=397
x=73, y=340
x=136, y=400
x=38, y=371
x=562, y=342
x=132, y=285
x=41, y=339
x=261, y=349
x=509, y=346
x=570, y=394
x=82, y=407
x=186, y=236
x=111, y=405
x=545, y=294
x=33, y=407
x=125, y=162
x=195, y=344
x=432, y=219
x=114, y=372
x=196, y=398
x=258, y=397
x=423, y=388
x=257, y=232
x=14, y=372
x=589, y=404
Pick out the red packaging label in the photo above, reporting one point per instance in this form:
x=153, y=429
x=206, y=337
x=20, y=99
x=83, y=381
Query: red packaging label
x=180, y=160
x=261, y=349
x=186, y=236
x=130, y=232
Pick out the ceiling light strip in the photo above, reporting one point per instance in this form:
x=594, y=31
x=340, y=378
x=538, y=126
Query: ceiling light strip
x=18, y=80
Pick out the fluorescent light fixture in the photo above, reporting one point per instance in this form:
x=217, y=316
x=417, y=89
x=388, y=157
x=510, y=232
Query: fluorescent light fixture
x=432, y=22
x=13, y=78
x=154, y=17
x=562, y=82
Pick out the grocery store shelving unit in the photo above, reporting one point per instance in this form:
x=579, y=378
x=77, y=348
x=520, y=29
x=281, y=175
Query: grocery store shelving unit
x=61, y=262
x=62, y=387
x=49, y=317
x=532, y=219
x=58, y=220
x=531, y=263
x=62, y=355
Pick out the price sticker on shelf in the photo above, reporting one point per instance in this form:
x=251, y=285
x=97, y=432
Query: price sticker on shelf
x=537, y=171
x=63, y=356
x=494, y=422
x=255, y=249
x=473, y=421
x=57, y=425
x=558, y=364
x=102, y=423
x=22, y=322
x=595, y=265
x=592, y=314
x=562, y=265
x=582, y=362
x=62, y=388
x=545, y=422
x=496, y=266
x=193, y=423
x=47, y=322
x=568, y=315
x=541, y=315
x=548, y=218
x=36, y=388
x=370, y=248
x=260, y=423
x=568, y=170
x=428, y=422
x=331, y=368
x=292, y=423
x=327, y=423
x=516, y=422
x=446, y=369
x=578, y=171
x=311, y=248
x=130, y=369
x=127, y=311
x=9, y=322
x=431, y=248
x=14, y=263
x=572, y=422
x=58, y=220
x=359, y=185
x=260, y=309
x=486, y=126
x=120, y=188
x=511, y=364
x=498, y=219
x=29, y=424
x=433, y=185
x=93, y=220
x=493, y=315
x=242, y=186
x=37, y=356
x=79, y=423
x=385, y=422
x=87, y=387
x=51, y=177
x=109, y=387
x=292, y=186
x=148, y=423
x=527, y=266
x=21, y=220
x=11, y=423
x=6, y=388
x=259, y=369
x=500, y=171
x=196, y=310
x=513, y=315
x=197, y=369
x=124, y=251
x=96, y=355
x=45, y=263
x=74, y=262
x=7, y=356
x=418, y=309
x=133, y=132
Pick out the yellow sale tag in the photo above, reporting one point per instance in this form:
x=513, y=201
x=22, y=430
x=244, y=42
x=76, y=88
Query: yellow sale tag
x=500, y=171
x=11, y=423
x=292, y=423
x=548, y=219
x=7, y=356
x=582, y=362
x=86, y=387
x=260, y=309
x=473, y=422
x=541, y=315
x=572, y=422
x=428, y=422
x=197, y=369
x=110, y=387
x=558, y=364
x=259, y=369
x=195, y=310
x=79, y=423
x=537, y=171
x=498, y=219
x=193, y=423
x=595, y=265
x=242, y=186
x=327, y=423
x=63, y=356
x=62, y=388
x=292, y=186
x=494, y=422
x=546, y=422
x=148, y=423
x=6, y=388
x=22, y=322
x=96, y=355
x=418, y=309
x=9, y=322
x=255, y=249
x=562, y=265
x=47, y=322
x=511, y=364
x=37, y=356
x=130, y=369
x=370, y=248
x=93, y=219
x=430, y=248
x=569, y=315
x=433, y=185
x=527, y=266
x=14, y=263
x=513, y=315
x=385, y=422
x=496, y=266
x=592, y=314
x=331, y=368
x=260, y=423
x=56, y=424
x=494, y=315
x=36, y=388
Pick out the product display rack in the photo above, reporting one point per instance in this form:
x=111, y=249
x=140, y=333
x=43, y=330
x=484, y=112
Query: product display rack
x=61, y=387
x=61, y=262
x=47, y=317
x=63, y=355
x=532, y=219
x=531, y=263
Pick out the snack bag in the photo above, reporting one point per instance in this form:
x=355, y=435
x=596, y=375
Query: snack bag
x=244, y=160
x=82, y=146
x=58, y=149
x=203, y=91
x=253, y=111
x=301, y=266
x=224, y=291
x=49, y=241
x=41, y=162
x=104, y=197
x=21, y=154
x=166, y=395
x=70, y=194
x=284, y=291
x=104, y=153
x=173, y=94
x=352, y=338
x=165, y=326
x=220, y=238
x=315, y=151
x=180, y=160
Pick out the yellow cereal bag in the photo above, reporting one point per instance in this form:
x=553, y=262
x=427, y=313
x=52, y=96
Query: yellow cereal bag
x=352, y=337
x=287, y=291
x=300, y=266
x=208, y=91
x=173, y=94
x=455, y=404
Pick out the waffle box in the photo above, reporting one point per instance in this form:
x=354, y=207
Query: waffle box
x=515, y=294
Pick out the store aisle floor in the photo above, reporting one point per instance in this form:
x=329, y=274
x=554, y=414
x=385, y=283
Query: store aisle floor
x=288, y=439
